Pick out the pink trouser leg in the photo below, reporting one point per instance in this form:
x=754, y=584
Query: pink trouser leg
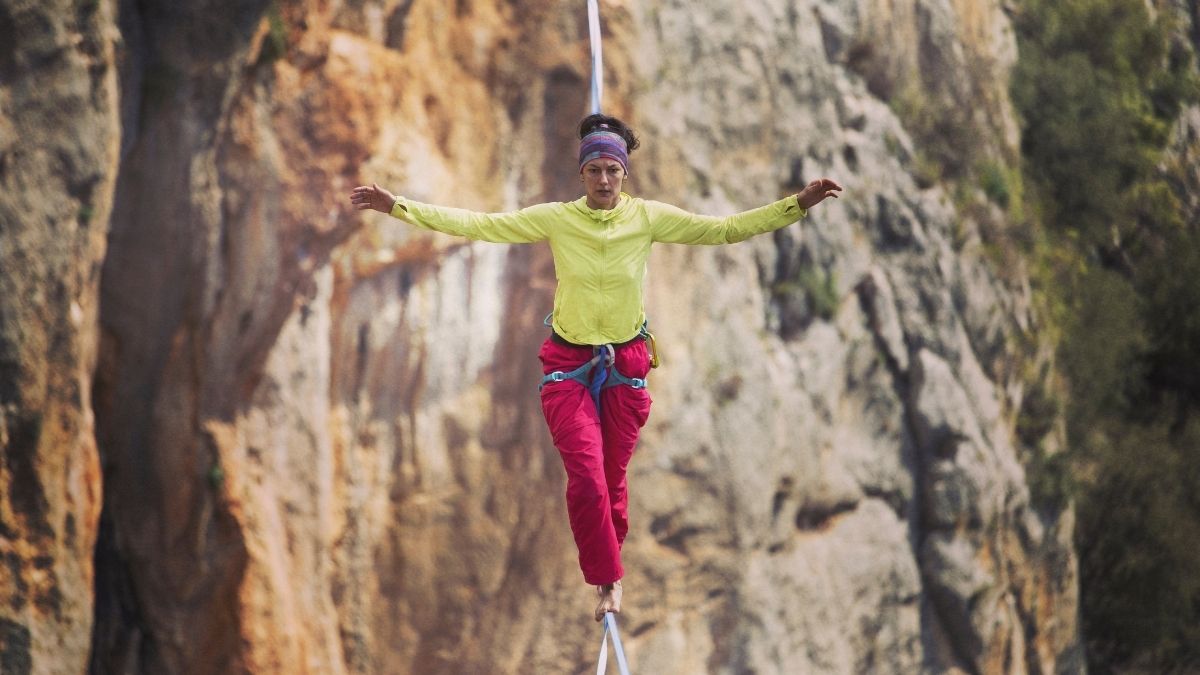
x=623, y=411
x=595, y=451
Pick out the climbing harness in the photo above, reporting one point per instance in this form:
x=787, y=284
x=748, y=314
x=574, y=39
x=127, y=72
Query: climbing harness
x=597, y=56
x=610, y=626
x=600, y=372
x=596, y=379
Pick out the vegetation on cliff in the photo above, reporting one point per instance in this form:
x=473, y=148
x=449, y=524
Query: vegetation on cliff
x=1099, y=85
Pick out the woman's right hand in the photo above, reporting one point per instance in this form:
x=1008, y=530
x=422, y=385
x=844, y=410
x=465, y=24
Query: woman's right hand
x=816, y=192
x=372, y=196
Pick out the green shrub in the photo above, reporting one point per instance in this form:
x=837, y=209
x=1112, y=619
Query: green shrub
x=821, y=291
x=1098, y=85
x=274, y=46
x=998, y=183
x=815, y=286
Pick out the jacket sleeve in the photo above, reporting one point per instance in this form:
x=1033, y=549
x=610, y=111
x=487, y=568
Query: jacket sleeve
x=514, y=227
x=672, y=225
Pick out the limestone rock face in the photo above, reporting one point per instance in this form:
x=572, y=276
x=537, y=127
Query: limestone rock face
x=321, y=442
x=58, y=161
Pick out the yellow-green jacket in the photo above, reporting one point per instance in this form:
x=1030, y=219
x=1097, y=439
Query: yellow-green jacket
x=600, y=256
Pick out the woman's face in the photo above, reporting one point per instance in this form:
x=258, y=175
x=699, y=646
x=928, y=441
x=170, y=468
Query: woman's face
x=602, y=178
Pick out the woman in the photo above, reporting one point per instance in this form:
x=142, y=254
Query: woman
x=596, y=358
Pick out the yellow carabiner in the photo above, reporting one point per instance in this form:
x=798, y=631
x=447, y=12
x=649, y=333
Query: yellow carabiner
x=654, y=362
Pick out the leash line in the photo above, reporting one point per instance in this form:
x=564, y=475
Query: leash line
x=597, y=56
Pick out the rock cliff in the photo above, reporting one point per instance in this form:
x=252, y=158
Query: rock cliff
x=321, y=445
x=58, y=164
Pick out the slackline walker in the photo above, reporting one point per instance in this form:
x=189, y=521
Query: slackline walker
x=598, y=353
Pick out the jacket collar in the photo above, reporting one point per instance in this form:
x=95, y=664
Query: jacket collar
x=602, y=215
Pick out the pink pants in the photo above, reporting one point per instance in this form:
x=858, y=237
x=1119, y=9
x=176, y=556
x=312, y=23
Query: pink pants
x=595, y=449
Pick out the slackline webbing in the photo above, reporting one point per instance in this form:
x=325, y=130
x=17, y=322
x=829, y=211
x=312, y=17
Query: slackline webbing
x=610, y=626
x=597, y=56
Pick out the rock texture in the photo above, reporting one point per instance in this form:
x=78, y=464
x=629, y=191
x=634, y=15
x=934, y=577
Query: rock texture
x=58, y=161
x=322, y=449
x=856, y=456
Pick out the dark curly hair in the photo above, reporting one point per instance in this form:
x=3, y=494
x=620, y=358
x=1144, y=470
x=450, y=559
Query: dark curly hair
x=597, y=120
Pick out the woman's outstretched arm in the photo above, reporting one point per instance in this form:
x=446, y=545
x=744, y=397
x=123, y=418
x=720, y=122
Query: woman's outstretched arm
x=515, y=227
x=673, y=225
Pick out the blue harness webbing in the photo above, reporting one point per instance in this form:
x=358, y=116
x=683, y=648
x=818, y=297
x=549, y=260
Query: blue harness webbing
x=595, y=379
x=610, y=626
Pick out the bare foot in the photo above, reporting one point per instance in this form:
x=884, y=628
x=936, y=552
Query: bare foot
x=610, y=599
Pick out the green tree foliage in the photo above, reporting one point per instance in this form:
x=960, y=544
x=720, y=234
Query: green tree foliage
x=1172, y=296
x=1098, y=94
x=1138, y=552
x=1098, y=85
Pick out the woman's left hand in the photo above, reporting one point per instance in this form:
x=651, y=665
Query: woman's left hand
x=815, y=192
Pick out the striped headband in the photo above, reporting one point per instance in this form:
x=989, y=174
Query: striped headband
x=603, y=143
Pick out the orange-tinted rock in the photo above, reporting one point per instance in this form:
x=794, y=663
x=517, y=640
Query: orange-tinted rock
x=58, y=161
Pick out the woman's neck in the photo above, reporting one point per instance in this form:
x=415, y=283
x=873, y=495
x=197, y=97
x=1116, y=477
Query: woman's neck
x=604, y=207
